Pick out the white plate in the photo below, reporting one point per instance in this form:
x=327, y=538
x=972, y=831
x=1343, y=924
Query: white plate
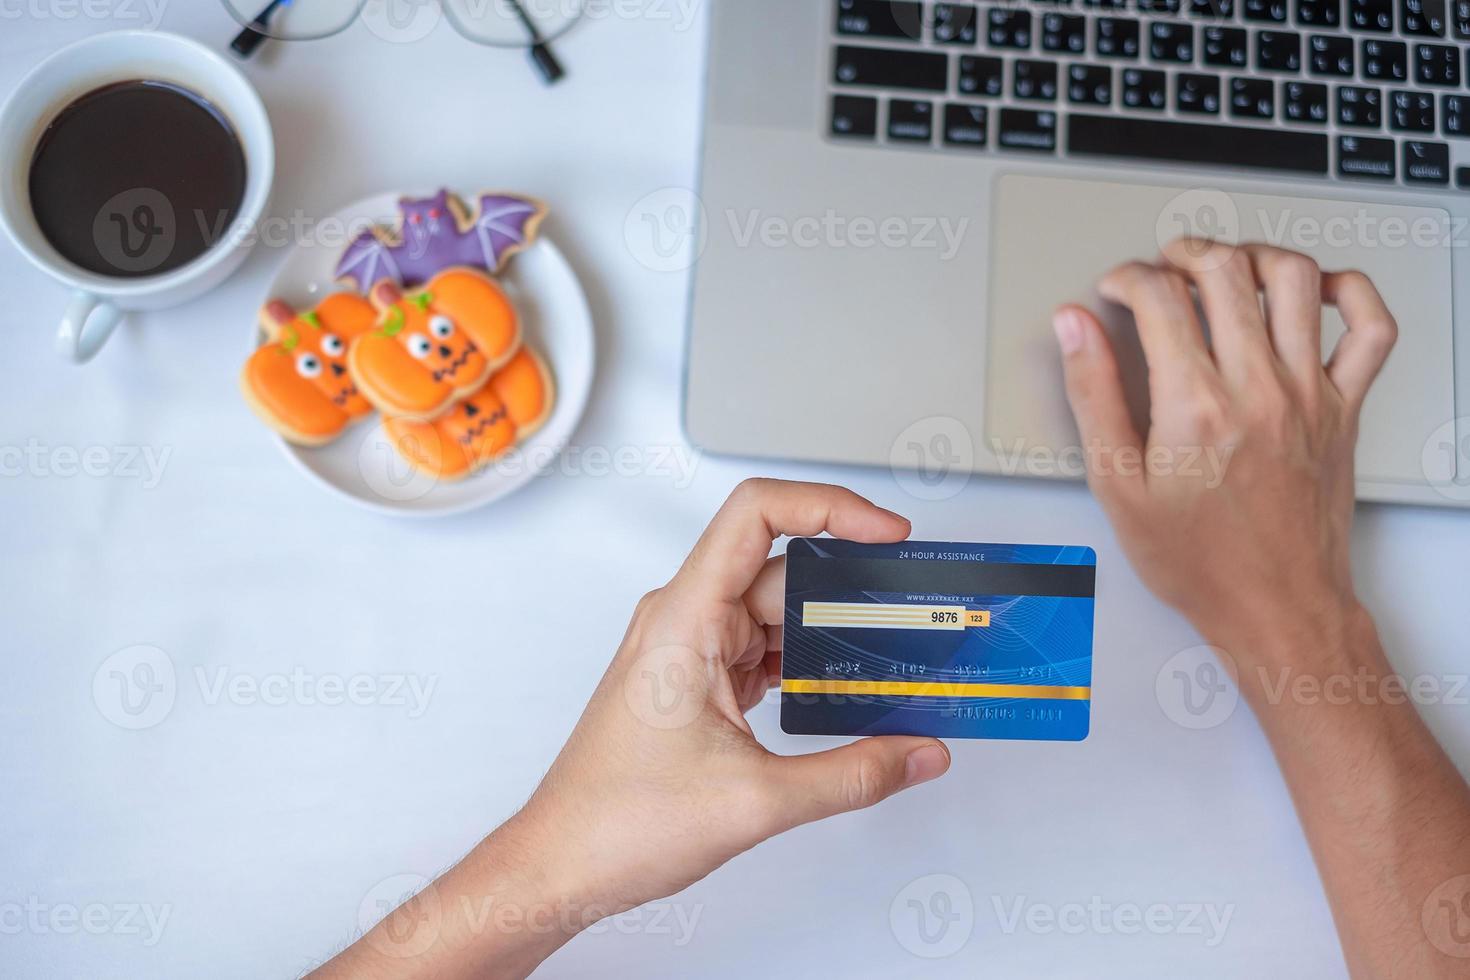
x=361, y=464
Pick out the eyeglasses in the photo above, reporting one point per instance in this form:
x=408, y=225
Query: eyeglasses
x=530, y=25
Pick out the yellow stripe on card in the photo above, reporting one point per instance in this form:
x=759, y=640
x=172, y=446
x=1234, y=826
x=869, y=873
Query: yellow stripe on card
x=936, y=689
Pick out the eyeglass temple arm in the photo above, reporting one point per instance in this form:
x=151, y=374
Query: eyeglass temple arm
x=541, y=56
x=250, y=38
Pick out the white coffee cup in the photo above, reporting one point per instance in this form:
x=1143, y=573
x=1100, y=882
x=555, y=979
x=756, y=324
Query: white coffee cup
x=99, y=301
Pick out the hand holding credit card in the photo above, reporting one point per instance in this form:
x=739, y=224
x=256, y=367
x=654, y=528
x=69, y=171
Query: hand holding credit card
x=937, y=638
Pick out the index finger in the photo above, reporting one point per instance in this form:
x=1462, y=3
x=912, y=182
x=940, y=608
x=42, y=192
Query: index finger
x=733, y=549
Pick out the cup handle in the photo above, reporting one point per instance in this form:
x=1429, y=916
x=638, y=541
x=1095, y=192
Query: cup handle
x=85, y=327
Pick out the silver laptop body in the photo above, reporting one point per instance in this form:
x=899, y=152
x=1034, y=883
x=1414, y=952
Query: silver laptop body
x=894, y=196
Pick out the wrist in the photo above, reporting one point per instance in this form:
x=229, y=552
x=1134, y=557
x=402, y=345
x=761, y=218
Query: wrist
x=1324, y=651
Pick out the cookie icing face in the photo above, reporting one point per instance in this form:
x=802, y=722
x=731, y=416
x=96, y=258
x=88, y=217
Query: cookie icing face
x=434, y=345
x=477, y=430
x=298, y=381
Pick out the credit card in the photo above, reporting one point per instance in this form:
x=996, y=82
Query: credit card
x=937, y=638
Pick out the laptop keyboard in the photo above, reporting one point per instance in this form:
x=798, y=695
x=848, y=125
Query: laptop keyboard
x=1371, y=90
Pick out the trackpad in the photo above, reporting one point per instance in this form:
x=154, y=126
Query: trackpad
x=1052, y=238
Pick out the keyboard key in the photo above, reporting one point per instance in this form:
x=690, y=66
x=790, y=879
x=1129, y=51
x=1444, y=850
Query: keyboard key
x=1009, y=28
x=1360, y=107
x=1264, y=11
x=1064, y=32
x=1361, y=156
x=1278, y=51
x=1304, y=102
x=1144, y=89
x=1216, y=9
x=1437, y=64
x=1197, y=93
x=1023, y=129
x=1226, y=47
x=1117, y=37
x=1189, y=142
x=1169, y=7
x=854, y=115
x=902, y=19
x=1422, y=18
x=980, y=75
x=1034, y=80
x=1426, y=163
x=965, y=125
x=1411, y=112
x=1171, y=42
x=1454, y=115
x=1370, y=15
x=955, y=23
x=910, y=121
x=891, y=68
x=1318, y=13
x=1462, y=178
x=1386, y=60
x=1330, y=54
x=1252, y=98
x=1090, y=84
x=1105, y=4
x=1460, y=16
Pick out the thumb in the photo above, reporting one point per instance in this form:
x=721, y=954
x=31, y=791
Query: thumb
x=1094, y=388
x=854, y=776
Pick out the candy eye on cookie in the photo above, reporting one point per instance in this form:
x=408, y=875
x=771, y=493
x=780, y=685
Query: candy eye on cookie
x=419, y=346
x=308, y=365
x=332, y=345
x=441, y=326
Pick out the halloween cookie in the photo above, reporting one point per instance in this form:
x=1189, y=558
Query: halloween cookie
x=440, y=232
x=509, y=407
x=298, y=382
x=434, y=345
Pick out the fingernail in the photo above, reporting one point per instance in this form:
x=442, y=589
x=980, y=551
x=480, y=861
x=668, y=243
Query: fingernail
x=924, y=764
x=1068, y=326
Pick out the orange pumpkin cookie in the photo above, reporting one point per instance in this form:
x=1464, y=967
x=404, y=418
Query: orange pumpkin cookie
x=434, y=345
x=515, y=402
x=298, y=382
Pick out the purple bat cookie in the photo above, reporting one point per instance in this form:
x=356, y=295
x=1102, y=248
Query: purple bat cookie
x=435, y=233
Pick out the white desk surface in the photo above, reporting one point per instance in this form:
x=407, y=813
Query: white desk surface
x=259, y=829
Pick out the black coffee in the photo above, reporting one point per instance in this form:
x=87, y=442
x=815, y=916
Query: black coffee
x=137, y=178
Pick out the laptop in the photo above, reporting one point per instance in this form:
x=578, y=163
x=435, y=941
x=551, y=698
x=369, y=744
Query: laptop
x=895, y=194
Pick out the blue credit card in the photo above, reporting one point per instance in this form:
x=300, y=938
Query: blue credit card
x=937, y=638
